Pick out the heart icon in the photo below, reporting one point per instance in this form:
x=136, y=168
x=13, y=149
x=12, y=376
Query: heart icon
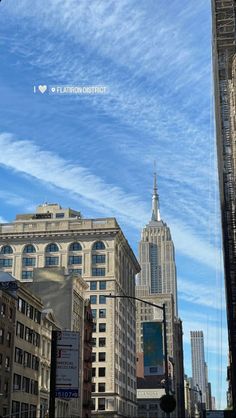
x=42, y=89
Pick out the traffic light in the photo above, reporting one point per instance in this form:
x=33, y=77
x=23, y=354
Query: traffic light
x=167, y=403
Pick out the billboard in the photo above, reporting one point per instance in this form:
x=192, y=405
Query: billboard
x=67, y=364
x=153, y=349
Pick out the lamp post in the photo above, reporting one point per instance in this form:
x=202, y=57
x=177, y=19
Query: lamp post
x=200, y=393
x=198, y=390
x=163, y=308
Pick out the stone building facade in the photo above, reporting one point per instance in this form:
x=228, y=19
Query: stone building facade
x=8, y=303
x=98, y=250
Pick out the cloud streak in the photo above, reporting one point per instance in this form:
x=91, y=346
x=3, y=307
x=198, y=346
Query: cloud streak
x=26, y=157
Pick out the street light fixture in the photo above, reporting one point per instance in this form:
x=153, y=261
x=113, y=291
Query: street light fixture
x=163, y=308
x=200, y=393
x=198, y=390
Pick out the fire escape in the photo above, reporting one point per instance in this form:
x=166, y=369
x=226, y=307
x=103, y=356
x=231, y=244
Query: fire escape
x=224, y=41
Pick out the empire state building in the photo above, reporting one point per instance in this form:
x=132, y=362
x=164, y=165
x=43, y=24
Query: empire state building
x=157, y=255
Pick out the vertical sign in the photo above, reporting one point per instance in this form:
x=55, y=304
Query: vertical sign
x=67, y=364
x=153, y=349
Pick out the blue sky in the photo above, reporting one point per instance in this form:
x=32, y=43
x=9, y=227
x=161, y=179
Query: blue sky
x=95, y=153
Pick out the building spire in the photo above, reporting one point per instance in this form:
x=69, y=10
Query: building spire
x=155, y=199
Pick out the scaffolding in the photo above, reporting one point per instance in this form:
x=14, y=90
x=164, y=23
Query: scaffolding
x=224, y=41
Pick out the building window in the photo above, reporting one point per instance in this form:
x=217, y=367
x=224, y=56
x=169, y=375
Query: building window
x=6, y=262
x=102, y=342
x=98, y=258
x=27, y=359
x=101, y=371
x=99, y=245
x=16, y=382
x=26, y=384
x=37, y=316
x=93, y=404
x=1, y=335
x=94, y=313
x=102, y=285
x=75, y=246
x=9, y=339
x=60, y=215
x=29, y=261
x=101, y=387
x=101, y=404
x=93, y=299
x=75, y=259
x=93, y=357
x=102, y=299
x=6, y=249
x=7, y=362
x=98, y=271
x=10, y=313
x=34, y=387
x=24, y=410
x=29, y=249
x=3, y=309
x=93, y=285
x=21, y=305
x=26, y=274
x=33, y=410
x=15, y=410
x=20, y=330
x=93, y=371
x=18, y=355
x=102, y=327
x=94, y=327
x=51, y=261
x=102, y=313
x=93, y=387
x=93, y=342
x=35, y=362
x=52, y=248
x=102, y=356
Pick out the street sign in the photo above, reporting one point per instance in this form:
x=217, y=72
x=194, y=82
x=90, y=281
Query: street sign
x=67, y=364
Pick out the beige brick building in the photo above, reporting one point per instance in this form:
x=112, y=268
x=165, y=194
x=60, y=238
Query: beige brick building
x=8, y=303
x=98, y=250
x=26, y=365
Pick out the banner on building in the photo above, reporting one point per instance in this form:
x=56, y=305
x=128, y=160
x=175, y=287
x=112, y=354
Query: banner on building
x=67, y=364
x=153, y=349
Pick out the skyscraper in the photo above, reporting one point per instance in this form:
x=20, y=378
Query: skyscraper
x=157, y=254
x=224, y=61
x=157, y=284
x=198, y=362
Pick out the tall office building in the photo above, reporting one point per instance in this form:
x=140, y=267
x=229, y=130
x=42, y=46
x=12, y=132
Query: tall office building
x=224, y=60
x=198, y=362
x=98, y=250
x=157, y=284
x=157, y=254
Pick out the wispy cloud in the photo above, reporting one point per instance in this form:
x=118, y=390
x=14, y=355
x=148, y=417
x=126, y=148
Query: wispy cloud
x=27, y=157
x=144, y=84
x=202, y=294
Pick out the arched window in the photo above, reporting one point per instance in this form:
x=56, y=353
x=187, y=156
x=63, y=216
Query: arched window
x=75, y=246
x=99, y=245
x=52, y=248
x=6, y=249
x=29, y=249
